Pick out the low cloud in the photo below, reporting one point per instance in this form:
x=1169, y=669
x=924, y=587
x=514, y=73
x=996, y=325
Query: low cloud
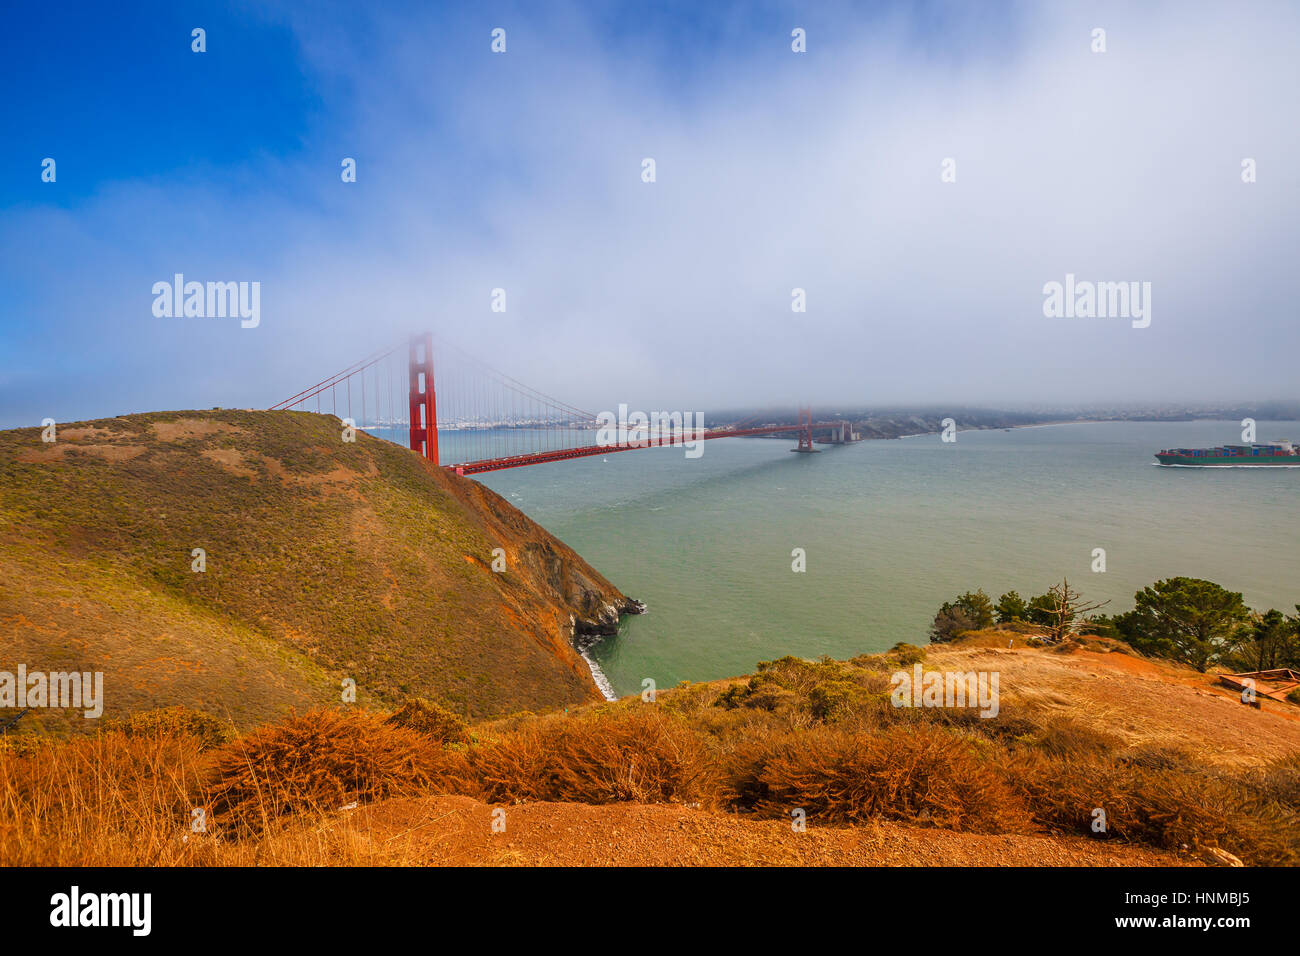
x=775, y=170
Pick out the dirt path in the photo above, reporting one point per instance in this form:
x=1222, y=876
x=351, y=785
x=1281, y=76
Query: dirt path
x=458, y=831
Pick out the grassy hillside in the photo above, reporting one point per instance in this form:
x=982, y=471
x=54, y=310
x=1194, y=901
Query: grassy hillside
x=325, y=560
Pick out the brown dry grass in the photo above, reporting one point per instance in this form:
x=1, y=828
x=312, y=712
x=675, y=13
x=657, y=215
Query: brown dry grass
x=127, y=798
x=112, y=799
x=1141, y=702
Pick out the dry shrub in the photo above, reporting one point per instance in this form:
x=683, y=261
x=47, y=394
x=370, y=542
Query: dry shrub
x=1156, y=757
x=451, y=771
x=108, y=799
x=1067, y=737
x=1011, y=723
x=641, y=754
x=168, y=721
x=1163, y=802
x=430, y=719
x=1280, y=781
x=903, y=772
x=315, y=762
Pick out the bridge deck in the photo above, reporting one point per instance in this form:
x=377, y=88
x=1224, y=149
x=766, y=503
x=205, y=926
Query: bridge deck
x=585, y=451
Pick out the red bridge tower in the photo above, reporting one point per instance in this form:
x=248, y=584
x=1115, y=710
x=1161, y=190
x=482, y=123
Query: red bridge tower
x=424, y=409
x=805, y=431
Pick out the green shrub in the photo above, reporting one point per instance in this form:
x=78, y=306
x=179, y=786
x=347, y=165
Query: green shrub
x=972, y=611
x=903, y=654
x=210, y=731
x=430, y=719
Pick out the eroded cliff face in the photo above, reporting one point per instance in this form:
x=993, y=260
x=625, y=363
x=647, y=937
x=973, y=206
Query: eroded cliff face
x=554, y=578
x=325, y=561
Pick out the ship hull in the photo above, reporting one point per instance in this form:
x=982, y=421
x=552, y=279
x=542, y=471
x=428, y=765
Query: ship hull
x=1235, y=461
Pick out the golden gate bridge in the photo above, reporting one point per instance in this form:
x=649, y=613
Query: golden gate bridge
x=472, y=419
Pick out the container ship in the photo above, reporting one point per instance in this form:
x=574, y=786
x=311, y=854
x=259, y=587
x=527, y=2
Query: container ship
x=1234, y=456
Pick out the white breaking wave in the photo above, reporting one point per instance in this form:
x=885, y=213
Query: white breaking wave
x=602, y=682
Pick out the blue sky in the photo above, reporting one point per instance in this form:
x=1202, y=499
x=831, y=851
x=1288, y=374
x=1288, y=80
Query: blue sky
x=521, y=170
x=114, y=92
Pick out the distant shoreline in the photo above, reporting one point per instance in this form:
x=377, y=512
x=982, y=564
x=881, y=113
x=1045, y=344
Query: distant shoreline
x=1076, y=421
x=993, y=428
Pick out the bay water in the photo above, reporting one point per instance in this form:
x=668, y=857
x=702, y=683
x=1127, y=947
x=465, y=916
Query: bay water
x=893, y=528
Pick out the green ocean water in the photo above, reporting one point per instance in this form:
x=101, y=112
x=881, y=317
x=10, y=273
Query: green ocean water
x=892, y=529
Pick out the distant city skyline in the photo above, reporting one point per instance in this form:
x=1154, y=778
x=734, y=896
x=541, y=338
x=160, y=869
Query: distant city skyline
x=846, y=205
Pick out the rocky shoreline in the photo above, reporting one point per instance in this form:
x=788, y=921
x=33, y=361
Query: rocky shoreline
x=588, y=633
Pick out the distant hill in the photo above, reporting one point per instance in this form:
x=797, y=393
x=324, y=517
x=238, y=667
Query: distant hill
x=325, y=560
